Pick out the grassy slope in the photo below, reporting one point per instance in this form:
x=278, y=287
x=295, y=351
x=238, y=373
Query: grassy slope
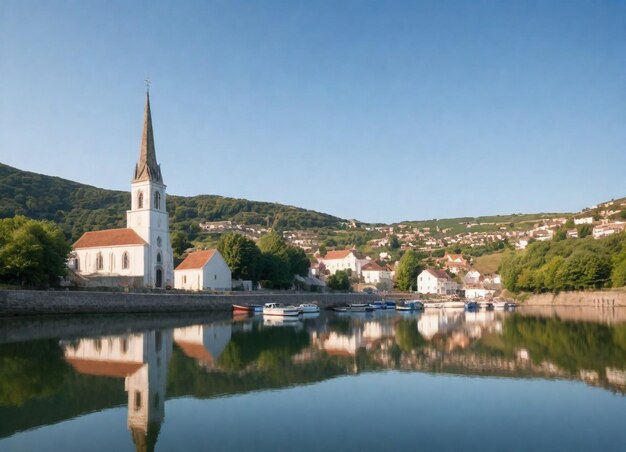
x=490, y=262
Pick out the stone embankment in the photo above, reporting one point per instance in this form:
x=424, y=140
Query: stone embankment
x=598, y=299
x=27, y=302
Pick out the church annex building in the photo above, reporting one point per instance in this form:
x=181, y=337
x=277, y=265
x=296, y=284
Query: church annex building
x=139, y=255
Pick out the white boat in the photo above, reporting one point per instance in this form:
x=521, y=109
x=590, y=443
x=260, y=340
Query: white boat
x=433, y=304
x=453, y=304
x=278, y=309
x=358, y=307
x=308, y=308
x=499, y=304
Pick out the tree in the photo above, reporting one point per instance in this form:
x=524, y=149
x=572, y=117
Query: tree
x=322, y=250
x=180, y=242
x=272, y=242
x=394, y=243
x=242, y=256
x=32, y=253
x=339, y=281
x=408, y=269
x=298, y=262
x=584, y=230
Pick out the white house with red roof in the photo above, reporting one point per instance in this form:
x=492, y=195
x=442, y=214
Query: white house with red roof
x=203, y=270
x=455, y=262
x=435, y=281
x=342, y=260
x=373, y=273
x=139, y=255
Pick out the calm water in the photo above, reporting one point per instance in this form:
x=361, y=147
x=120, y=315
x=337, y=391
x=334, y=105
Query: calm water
x=441, y=380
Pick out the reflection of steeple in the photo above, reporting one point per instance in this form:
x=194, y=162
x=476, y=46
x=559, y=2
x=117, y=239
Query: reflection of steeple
x=142, y=360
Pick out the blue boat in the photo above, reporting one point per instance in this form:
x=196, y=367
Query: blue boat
x=376, y=305
x=390, y=304
x=471, y=306
x=414, y=305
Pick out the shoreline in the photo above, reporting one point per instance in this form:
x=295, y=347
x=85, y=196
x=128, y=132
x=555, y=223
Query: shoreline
x=58, y=302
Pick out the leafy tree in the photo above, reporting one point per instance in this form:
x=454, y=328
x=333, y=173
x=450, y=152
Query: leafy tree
x=180, y=242
x=569, y=224
x=272, y=242
x=394, y=243
x=408, y=269
x=584, y=230
x=339, y=281
x=32, y=253
x=322, y=250
x=242, y=256
x=299, y=264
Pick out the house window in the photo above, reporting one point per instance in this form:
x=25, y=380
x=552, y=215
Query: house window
x=99, y=262
x=185, y=279
x=77, y=264
x=140, y=200
x=125, y=260
x=137, y=400
x=157, y=200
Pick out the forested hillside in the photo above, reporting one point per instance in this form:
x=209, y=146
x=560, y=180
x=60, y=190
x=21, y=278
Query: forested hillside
x=78, y=208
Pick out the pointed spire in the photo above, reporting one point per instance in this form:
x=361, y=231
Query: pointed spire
x=147, y=168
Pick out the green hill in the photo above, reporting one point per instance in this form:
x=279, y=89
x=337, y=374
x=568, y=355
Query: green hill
x=78, y=208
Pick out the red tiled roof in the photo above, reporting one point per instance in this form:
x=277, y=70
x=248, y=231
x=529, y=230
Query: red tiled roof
x=372, y=267
x=196, y=259
x=195, y=351
x=438, y=273
x=104, y=368
x=109, y=237
x=340, y=254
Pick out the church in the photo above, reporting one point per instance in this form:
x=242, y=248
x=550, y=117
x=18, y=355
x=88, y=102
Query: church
x=139, y=255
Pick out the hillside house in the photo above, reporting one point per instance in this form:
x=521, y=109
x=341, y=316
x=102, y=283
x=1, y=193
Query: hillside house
x=605, y=230
x=434, y=281
x=342, y=260
x=373, y=273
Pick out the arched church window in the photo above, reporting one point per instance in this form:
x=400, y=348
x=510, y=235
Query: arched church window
x=99, y=262
x=159, y=241
x=125, y=260
x=158, y=258
x=157, y=200
x=140, y=200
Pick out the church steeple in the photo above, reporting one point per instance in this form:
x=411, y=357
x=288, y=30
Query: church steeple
x=147, y=168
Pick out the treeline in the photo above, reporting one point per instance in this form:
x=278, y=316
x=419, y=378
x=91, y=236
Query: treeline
x=271, y=261
x=78, y=208
x=572, y=264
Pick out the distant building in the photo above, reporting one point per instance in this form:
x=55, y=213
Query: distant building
x=605, y=230
x=471, y=277
x=585, y=220
x=203, y=270
x=433, y=281
x=455, y=263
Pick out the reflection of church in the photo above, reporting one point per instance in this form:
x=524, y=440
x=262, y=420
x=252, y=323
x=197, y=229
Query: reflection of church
x=142, y=360
x=139, y=255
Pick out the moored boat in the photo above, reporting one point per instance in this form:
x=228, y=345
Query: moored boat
x=278, y=309
x=471, y=305
x=411, y=305
x=453, y=304
x=340, y=308
x=309, y=308
x=247, y=308
x=377, y=305
x=358, y=307
x=390, y=304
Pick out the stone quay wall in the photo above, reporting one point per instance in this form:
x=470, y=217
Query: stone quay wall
x=32, y=302
x=599, y=299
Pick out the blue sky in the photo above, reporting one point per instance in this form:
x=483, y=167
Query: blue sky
x=381, y=111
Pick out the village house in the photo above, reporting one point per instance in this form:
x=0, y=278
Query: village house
x=605, y=230
x=472, y=277
x=455, y=263
x=434, y=281
x=342, y=260
x=584, y=220
x=373, y=273
x=203, y=270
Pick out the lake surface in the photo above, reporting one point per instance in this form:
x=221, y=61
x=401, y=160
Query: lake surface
x=441, y=380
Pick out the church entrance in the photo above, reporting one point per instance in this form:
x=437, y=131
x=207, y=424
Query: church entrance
x=159, y=278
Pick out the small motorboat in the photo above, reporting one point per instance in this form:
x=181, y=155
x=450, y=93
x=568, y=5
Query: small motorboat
x=278, y=309
x=358, y=307
x=471, y=305
x=499, y=304
x=411, y=305
x=309, y=308
x=377, y=305
x=341, y=308
x=433, y=304
x=247, y=308
x=390, y=304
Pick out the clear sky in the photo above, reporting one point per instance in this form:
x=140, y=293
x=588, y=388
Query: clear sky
x=380, y=111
